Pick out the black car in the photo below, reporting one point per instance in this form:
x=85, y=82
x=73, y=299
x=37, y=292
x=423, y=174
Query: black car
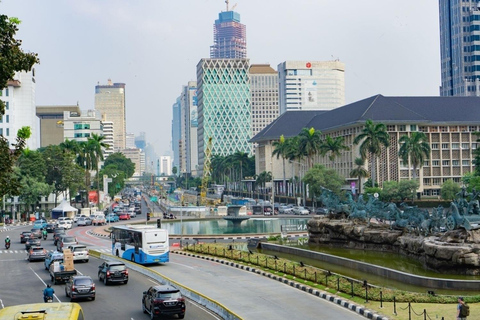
x=37, y=233
x=32, y=242
x=80, y=287
x=50, y=227
x=56, y=234
x=321, y=210
x=24, y=236
x=163, y=300
x=113, y=271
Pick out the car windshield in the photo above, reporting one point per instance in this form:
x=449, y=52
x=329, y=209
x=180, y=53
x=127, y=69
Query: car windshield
x=169, y=295
x=37, y=249
x=117, y=268
x=68, y=239
x=80, y=249
x=83, y=282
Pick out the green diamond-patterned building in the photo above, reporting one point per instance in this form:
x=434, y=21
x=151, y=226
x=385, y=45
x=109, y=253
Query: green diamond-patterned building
x=223, y=106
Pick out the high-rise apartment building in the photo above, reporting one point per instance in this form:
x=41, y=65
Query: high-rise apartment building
x=459, y=49
x=176, y=132
x=108, y=137
x=51, y=123
x=264, y=96
x=20, y=110
x=110, y=101
x=130, y=140
x=81, y=126
x=311, y=85
x=229, y=37
x=189, y=125
x=223, y=90
x=165, y=165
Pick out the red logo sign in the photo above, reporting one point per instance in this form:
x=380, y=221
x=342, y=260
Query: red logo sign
x=309, y=65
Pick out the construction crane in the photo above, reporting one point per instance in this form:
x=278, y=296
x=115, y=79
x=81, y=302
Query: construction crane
x=227, y=2
x=206, y=170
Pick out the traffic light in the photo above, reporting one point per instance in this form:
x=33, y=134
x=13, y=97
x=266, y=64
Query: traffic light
x=148, y=216
x=159, y=223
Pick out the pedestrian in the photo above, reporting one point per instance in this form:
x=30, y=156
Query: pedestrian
x=462, y=309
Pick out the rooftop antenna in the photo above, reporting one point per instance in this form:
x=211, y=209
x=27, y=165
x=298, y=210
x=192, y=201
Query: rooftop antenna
x=226, y=1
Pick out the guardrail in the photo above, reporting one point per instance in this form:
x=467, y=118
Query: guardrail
x=189, y=293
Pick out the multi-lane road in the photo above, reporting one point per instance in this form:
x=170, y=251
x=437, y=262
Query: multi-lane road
x=249, y=295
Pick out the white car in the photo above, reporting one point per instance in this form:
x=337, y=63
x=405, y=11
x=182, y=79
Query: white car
x=64, y=222
x=84, y=221
x=75, y=219
x=300, y=211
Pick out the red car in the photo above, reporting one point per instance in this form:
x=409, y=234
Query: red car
x=124, y=216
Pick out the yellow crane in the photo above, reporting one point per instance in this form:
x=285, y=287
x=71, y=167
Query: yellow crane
x=206, y=171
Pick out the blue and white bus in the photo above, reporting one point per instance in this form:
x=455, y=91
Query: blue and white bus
x=140, y=244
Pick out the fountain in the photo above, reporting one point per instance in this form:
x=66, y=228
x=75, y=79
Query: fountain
x=233, y=215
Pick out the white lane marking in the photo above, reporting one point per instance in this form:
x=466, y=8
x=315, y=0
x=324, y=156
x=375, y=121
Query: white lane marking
x=183, y=265
x=44, y=284
x=1, y=302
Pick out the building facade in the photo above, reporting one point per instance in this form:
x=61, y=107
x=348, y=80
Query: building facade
x=81, y=127
x=176, y=132
x=189, y=128
x=224, y=109
x=165, y=165
x=229, y=37
x=51, y=123
x=450, y=124
x=311, y=85
x=20, y=109
x=108, y=137
x=110, y=101
x=264, y=96
x=134, y=155
x=459, y=49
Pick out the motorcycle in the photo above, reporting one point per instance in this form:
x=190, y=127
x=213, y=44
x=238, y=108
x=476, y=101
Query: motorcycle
x=48, y=299
x=7, y=245
x=44, y=237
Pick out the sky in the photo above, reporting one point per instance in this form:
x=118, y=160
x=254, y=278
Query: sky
x=153, y=46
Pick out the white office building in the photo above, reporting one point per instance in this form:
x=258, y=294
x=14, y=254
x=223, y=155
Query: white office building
x=264, y=96
x=165, y=165
x=81, y=127
x=20, y=109
x=311, y=85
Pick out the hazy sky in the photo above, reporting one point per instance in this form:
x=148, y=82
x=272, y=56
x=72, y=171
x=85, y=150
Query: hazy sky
x=153, y=46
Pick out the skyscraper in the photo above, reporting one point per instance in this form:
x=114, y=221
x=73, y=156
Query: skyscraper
x=223, y=106
x=459, y=49
x=311, y=85
x=110, y=101
x=264, y=96
x=229, y=36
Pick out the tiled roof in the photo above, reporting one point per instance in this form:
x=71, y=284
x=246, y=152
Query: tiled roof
x=418, y=110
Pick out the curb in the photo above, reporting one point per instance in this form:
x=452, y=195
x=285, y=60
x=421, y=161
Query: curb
x=321, y=294
x=100, y=235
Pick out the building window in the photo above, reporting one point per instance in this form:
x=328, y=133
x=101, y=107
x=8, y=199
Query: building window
x=436, y=181
x=455, y=146
x=413, y=127
x=465, y=146
x=8, y=132
x=7, y=105
x=434, y=146
x=402, y=128
x=423, y=129
x=1, y=131
x=6, y=92
x=445, y=162
x=7, y=118
x=444, y=146
x=434, y=129
x=443, y=129
x=435, y=163
x=474, y=146
x=455, y=163
x=457, y=180
x=465, y=162
x=472, y=128
x=463, y=128
x=425, y=163
x=426, y=181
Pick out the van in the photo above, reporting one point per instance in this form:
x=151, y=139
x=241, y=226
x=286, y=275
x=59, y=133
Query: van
x=98, y=219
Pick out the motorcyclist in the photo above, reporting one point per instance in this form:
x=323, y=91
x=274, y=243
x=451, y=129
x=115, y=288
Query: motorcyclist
x=44, y=233
x=7, y=240
x=48, y=293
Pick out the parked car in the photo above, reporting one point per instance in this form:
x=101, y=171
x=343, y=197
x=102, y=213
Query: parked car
x=80, y=287
x=51, y=257
x=32, y=242
x=36, y=233
x=50, y=227
x=111, y=217
x=36, y=253
x=98, y=219
x=65, y=241
x=76, y=217
x=124, y=216
x=57, y=233
x=84, y=221
x=80, y=252
x=113, y=271
x=300, y=211
x=24, y=236
x=321, y=210
x=163, y=300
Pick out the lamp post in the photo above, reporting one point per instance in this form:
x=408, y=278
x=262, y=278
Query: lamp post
x=302, y=174
x=273, y=190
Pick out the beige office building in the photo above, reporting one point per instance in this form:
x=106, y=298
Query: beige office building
x=51, y=123
x=110, y=101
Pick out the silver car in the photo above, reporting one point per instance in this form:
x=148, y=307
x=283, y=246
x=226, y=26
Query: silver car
x=84, y=221
x=65, y=241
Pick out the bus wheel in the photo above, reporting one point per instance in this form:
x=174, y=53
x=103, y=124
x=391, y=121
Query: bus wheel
x=117, y=253
x=133, y=258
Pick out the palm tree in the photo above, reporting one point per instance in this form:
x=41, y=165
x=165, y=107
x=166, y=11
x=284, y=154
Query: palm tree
x=262, y=178
x=373, y=135
x=240, y=158
x=309, y=143
x=95, y=146
x=416, y=147
x=281, y=150
x=333, y=146
x=359, y=172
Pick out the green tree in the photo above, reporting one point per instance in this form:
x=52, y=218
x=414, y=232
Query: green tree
x=123, y=164
x=359, y=172
x=407, y=189
x=389, y=192
x=449, y=190
x=263, y=178
x=32, y=164
x=118, y=178
x=319, y=177
x=309, y=142
x=332, y=146
x=416, y=148
x=174, y=170
x=372, y=138
x=31, y=191
x=476, y=155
